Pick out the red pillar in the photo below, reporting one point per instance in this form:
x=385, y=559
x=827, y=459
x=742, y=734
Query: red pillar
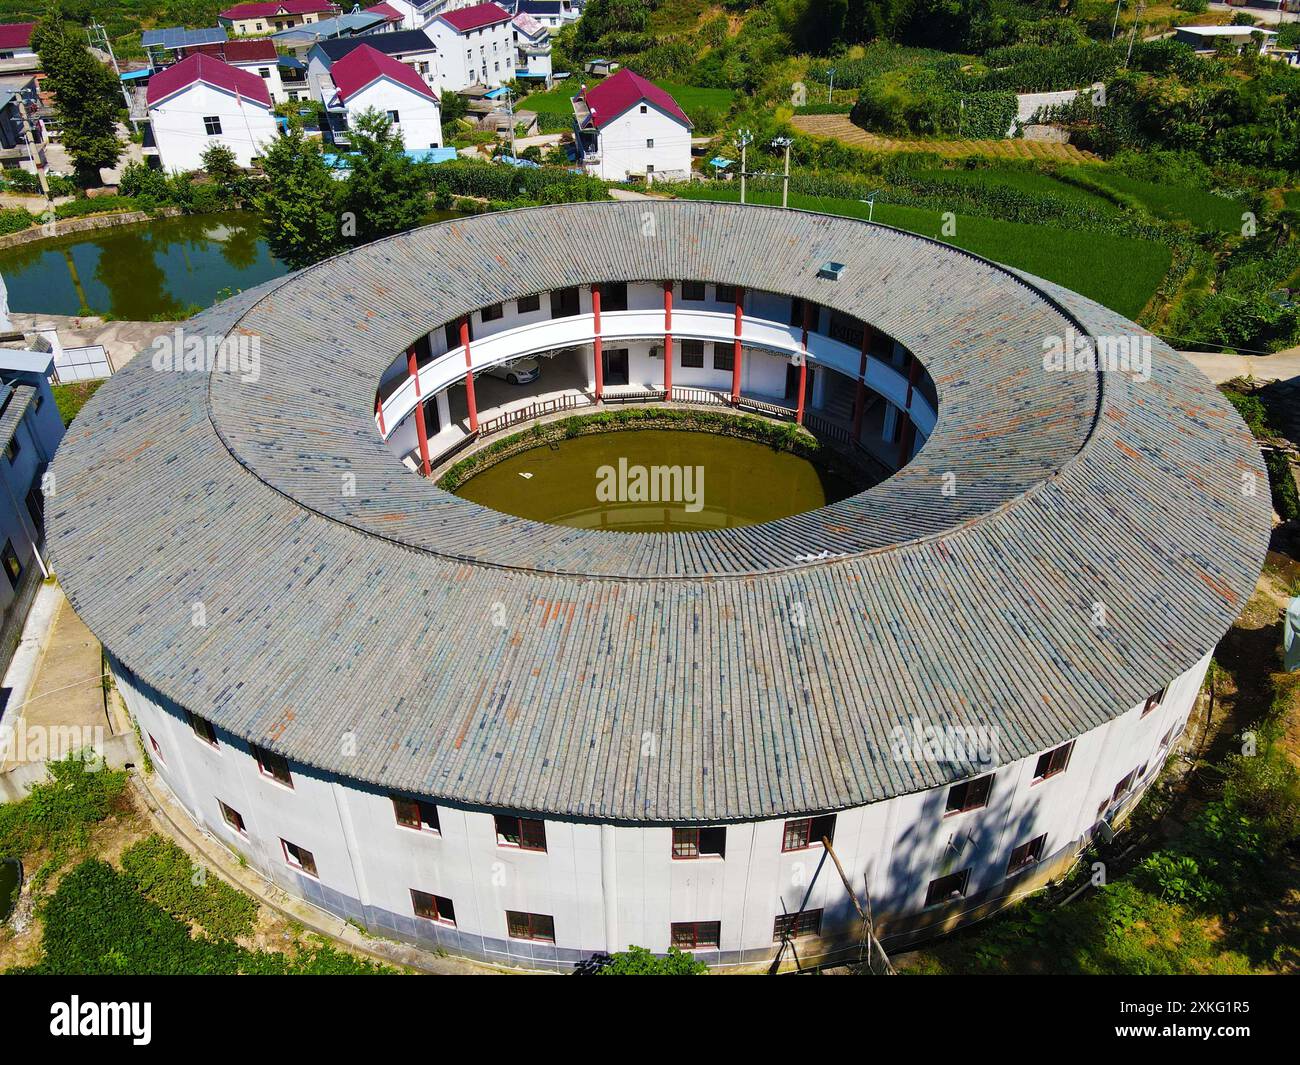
x=469, y=377
x=379, y=413
x=413, y=368
x=803, y=365
x=860, y=396
x=668, y=341
x=735, y=352
x=912, y=374
x=597, y=352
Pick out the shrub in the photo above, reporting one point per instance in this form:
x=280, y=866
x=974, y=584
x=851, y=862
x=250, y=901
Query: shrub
x=638, y=961
x=15, y=220
x=59, y=811
x=165, y=874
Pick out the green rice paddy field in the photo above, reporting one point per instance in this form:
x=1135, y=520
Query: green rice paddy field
x=1119, y=272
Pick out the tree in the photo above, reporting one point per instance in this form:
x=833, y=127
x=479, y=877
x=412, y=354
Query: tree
x=86, y=95
x=300, y=203
x=638, y=961
x=387, y=192
x=220, y=163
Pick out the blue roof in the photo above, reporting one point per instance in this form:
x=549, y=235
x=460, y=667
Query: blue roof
x=291, y=62
x=431, y=155
x=719, y=162
x=495, y=93
x=136, y=75
x=510, y=160
x=179, y=37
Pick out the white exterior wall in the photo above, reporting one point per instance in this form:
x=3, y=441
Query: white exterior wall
x=484, y=56
x=272, y=81
x=419, y=119
x=608, y=887
x=320, y=85
x=178, y=127
x=623, y=151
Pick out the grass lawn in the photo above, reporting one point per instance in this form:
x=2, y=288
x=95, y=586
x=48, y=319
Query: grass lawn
x=1202, y=209
x=1121, y=273
x=71, y=397
x=688, y=97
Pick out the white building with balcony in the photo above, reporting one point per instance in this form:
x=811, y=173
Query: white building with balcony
x=628, y=127
x=475, y=46
x=366, y=79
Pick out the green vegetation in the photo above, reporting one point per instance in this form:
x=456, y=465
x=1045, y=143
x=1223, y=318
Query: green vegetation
x=1286, y=499
x=166, y=875
x=1204, y=210
x=692, y=99
x=98, y=923
x=638, y=961
x=72, y=396
x=1120, y=272
x=56, y=817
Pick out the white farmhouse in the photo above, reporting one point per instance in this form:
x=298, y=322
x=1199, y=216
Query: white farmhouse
x=412, y=47
x=257, y=55
x=627, y=126
x=366, y=78
x=532, y=48
x=476, y=46
x=202, y=101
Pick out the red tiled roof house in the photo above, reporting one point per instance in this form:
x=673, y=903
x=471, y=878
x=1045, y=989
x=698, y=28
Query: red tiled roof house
x=475, y=46
x=202, y=101
x=367, y=79
x=629, y=127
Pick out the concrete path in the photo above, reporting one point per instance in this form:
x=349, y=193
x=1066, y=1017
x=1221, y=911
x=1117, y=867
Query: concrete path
x=66, y=699
x=1218, y=367
x=122, y=340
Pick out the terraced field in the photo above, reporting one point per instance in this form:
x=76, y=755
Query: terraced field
x=840, y=128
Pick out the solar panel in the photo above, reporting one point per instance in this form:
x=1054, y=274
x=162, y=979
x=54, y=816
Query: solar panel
x=179, y=37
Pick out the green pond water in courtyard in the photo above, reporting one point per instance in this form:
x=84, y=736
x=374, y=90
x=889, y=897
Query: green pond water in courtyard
x=655, y=480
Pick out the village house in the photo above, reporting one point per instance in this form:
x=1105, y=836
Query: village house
x=532, y=49
x=246, y=20
x=629, y=127
x=412, y=47
x=202, y=101
x=476, y=46
x=257, y=56
x=367, y=79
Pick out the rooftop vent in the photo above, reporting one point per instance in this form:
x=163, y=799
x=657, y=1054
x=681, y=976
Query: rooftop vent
x=831, y=271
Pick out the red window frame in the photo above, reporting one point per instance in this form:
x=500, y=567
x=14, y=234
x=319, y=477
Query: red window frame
x=268, y=762
x=796, y=925
x=936, y=895
x=1154, y=700
x=1027, y=854
x=1052, y=762
x=969, y=795
x=232, y=817
x=308, y=866
x=687, y=845
x=804, y=833
x=430, y=907
x=520, y=833
x=203, y=729
x=420, y=816
x=156, y=749
x=539, y=927
x=696, y=935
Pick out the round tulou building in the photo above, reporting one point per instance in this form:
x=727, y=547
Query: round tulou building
x=528, y=742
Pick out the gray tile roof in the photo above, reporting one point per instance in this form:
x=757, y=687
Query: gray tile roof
x=656, y=677
x=13, y=412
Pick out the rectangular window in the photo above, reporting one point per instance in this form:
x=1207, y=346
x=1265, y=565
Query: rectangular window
x=394, y=118
x=613, y=297
x=433, y=907
x=693, y=290
x=412, y=813
x=794, y=925
x=796, y=311
x=492, y=312
x=1126, y=785
x=1154, y=701
x=649, y=142
x=156, y=749
x=232, y=817
x=1166, y=741
x=13, y=448
x=564, y=302
x=273, y=765
x=692, y=354
x=696, y=935
x=699, y=843
x=969, y=795
x=13, y=568
x=643, y=109
x=1026, y=854
x=526, y=833
x=725, y=293
x=724, y=357
x=525, y=304
x=263, y=72
x=1053, y=762
x=804, y=832
x=212, y=126
x=947, y=888
x=203, y=729
x=537, y=926
x=36, y=505
x=846, y=329
x=299, y=857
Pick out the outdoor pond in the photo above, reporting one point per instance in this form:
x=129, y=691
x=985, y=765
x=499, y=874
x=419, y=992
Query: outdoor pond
x=617, y=481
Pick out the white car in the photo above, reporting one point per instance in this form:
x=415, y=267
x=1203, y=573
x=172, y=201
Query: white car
x=519, y=372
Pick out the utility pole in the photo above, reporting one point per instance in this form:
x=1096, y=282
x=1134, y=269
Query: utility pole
x=830, y=91
x=27, y=104
x=743, y=137
x=1114, y=26
x=99, y=36
x=1137, y=19
x=784, y=142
